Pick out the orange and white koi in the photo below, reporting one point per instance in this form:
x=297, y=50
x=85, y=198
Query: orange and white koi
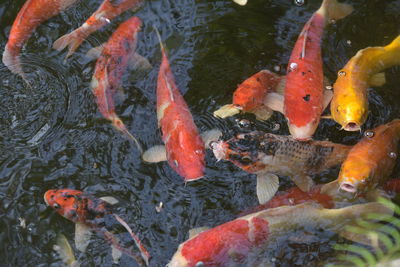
x=230, y=243
x=31, y=15
x=371, y=161
x=250, y=96
x=184, y=148
x=119, y=51
x=90, y=213
x=303, y=94
x=349, y=106
x=107, y=11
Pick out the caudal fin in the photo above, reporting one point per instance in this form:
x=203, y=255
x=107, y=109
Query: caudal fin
x=117, y=122
x=336, y=11
x=71, y=40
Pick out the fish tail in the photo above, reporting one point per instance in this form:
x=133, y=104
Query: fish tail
x=117, y=123
x=130, y=136
x=12, y=61
x=159, y=40
x=71, y=40
x=395, y=44
x=143, y=251
x=336, y=11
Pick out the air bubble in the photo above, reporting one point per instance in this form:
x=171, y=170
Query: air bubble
x=299, y=2
x=393, y=155
x=342, y=73
x=369, y=134
x=292, y=66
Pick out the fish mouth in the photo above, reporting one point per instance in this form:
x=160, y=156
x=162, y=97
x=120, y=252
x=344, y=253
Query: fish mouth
x=348, y=187
x=352, y=127
x=302, y=133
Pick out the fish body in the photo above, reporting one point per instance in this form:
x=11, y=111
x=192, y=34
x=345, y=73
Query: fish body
x=303, y=96
x=110, y=67
x=92, y=212
x=371, y=160
x=349, y=106
x=259, y=152
x=230, y=243
x=251, y=93
x=107, y=11
x=32, y=14
x=183, y=144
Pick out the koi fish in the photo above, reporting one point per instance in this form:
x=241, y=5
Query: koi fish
x=349, y=105
x=90, y=213
x=64, y=250
x=303, y=95
x=107, y=11
x=267, y=154
x=117, y=54
x=230, y=243
x=250, y=96
x=370, y=162
x=184, y=148
x=31, y=15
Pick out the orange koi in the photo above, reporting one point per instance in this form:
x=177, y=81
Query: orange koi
x=250, y=96
x=90, y=213
x=303, y=96
x=371, y=161
x=113, y=61
x=184, y=148
x=230, y=243
x=31, y=15
x=107, y=11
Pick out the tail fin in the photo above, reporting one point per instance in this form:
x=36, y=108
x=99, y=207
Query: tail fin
x=71, y=40
x=117, y=123
x=143, y=251
x=395, y=44
x=160, y=40
x=336, y=11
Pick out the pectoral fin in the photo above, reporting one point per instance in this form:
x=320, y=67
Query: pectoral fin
x=227, y=111
x=274, y=101
x=331, y=188
x=138, y=62
x=155, y=154
x=327, y=97
x=267, y=186
x=116, y=254
x=378, y=79
x=64, y=250
x=195, y=231
x=304, y=182
x=262, y=113
x=82, y=236
x=95, y=52
x=210, y=136
x=240, y=2
x=110, y=200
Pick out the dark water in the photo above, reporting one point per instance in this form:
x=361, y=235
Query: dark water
x=52, y=135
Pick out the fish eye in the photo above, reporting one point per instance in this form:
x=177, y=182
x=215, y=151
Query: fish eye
x=245, y=160
x=56, y=206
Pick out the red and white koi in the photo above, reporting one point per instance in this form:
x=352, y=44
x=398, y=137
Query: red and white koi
x=90, y=213
x=31, y=15
x=117, y=54
x=107, y=11
x=303, y=96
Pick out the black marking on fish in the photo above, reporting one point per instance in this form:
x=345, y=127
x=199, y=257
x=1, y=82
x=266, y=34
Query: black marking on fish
x=303, y=73
x=116, y=2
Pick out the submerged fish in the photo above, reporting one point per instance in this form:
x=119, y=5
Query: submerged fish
x=250, y=96
x=107, y=11
x=31, y=15
x=230, y=243
x=349, y=105
x=265, y=153
x=184, y=148
x=117, y=54
x=90, y=213
x=304, y=97
x=371, y=160
x=64, y=250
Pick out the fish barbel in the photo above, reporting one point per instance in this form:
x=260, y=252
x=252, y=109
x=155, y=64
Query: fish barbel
x=31, y=15
x=230, y=243
x=349, y=106
x=259, y=152
x=303, y=94
x=107, y=11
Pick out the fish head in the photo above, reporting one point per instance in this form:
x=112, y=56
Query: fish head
x=242, y=150
x=64, y=201
x=355, y=176
x=305, y=132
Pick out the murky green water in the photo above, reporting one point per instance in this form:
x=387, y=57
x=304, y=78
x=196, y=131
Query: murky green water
x=52, y=136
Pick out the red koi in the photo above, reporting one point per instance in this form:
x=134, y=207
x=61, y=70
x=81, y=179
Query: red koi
x=183, y=144
x=303, y=96
x=230, y=243
x=107, y=11
x=115, y=57
x=95, y=213
x=31, y=15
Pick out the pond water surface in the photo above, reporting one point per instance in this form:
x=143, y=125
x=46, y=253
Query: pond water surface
x=53, y=136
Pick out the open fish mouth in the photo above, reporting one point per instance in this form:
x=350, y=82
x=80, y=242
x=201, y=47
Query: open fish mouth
x=348, y=187
x=352, y=127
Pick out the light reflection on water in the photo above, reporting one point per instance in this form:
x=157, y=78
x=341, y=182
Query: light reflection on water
x=52, y=136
